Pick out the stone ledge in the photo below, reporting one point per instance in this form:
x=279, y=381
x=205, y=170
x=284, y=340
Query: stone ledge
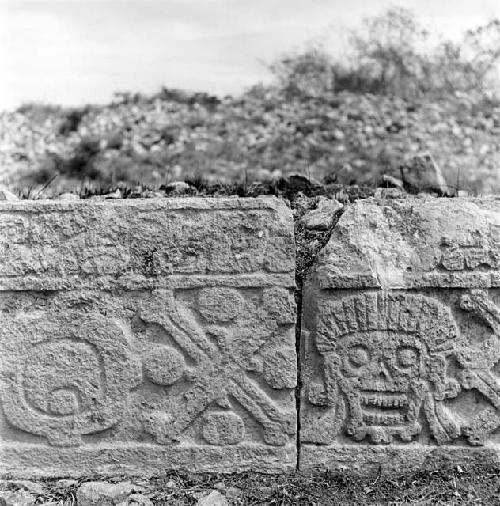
x=368, y=460
x=32, y=461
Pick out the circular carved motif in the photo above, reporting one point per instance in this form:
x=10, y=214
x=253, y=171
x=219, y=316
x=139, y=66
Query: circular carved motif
x=223, y=428
x=220, y=304
x=63, y=402
x=66, y=375
x=280, y=369
x=62, y=377
x=164, y=365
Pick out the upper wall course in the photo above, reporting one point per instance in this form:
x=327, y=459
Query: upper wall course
x=414, y=243
x=53, y=245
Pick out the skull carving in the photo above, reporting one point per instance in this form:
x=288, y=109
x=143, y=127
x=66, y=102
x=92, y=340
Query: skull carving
x=386, y=355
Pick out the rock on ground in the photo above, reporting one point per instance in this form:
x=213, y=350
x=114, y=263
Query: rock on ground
x=423, y=174
x=101, y=493
x=180, y=188
x=68, y=196
x=7, y=195
x=17, y=498
x=215, y=498
x=31, y=486
x=136, y=500
x=323, y=216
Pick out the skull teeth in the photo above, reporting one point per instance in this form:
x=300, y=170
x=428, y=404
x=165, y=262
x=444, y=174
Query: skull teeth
x=384, y=400
x=375, y=419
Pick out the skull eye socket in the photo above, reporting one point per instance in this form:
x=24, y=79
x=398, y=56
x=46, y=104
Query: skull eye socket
x=358, y=356
x=406, y=356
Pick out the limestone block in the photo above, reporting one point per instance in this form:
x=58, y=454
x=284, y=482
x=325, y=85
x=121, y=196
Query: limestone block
x=139, y=336
x=401, y=337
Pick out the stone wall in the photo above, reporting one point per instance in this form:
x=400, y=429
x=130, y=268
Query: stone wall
x=401, y=329
x=144, y=335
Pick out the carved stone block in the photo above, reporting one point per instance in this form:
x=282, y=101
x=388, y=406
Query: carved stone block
x=401, y=337
x=139, y=336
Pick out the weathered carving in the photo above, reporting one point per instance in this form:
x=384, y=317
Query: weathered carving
x=467, y=255
x=164, y=365
x=385, y=355
x=146, y=334
x=220, y=371
x=224, y=428
x=401, y=336
x=477, y=366
x=56, y=245
x=69, y=375
x=64, y=376
x=471, y=250
x=220, y=304
x=385, y=363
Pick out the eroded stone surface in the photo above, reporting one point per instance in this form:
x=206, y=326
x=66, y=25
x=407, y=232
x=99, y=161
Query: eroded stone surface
x=403, y=359
x=175, y=349
x=414, y=243
x=53, y=245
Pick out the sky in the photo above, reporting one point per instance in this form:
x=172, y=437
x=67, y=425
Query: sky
x=73, y=52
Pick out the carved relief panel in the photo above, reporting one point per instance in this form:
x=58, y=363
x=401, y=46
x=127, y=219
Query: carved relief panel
x=401, y=349
x=207, y=369
x=147, y=335
x=388, y=362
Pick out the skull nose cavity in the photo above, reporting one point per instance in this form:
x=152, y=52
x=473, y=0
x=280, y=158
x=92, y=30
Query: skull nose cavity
x=383, y=370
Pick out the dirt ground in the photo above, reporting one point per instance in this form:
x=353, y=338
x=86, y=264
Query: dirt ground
x=445, y=486
x=474, y=485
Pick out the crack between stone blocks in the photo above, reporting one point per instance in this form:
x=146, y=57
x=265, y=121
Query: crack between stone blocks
x=303, y=262
x=298, y=388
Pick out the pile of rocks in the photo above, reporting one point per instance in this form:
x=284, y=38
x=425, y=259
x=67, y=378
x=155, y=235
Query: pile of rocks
x=345, y=137
x=107, y=493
